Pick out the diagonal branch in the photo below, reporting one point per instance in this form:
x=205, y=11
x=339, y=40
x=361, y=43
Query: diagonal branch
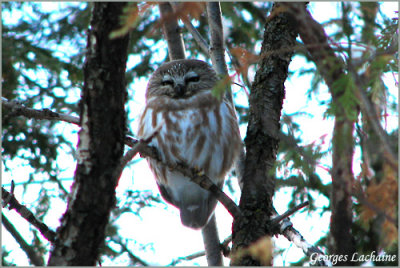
x=282, y=225
x=311, y=251
x=369, y=111
x=13, y=203
x=135, y=259
x=34, y=258
x=140, y=147
x=17, y=109
x=198, y=178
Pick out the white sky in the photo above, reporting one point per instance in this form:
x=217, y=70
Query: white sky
x=161, y=226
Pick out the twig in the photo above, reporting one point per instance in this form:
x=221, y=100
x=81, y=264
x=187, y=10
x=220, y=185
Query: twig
x=133, y=257
x=13, y=203
x=189, y=26
x=18, y=109
x=282, y=225
x=188, y=258
x=291, y=211
x=137, y=146
x=34, y=258
x=224, y=246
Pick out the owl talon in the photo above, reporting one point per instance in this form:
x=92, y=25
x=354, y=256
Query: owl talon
x=199, y=172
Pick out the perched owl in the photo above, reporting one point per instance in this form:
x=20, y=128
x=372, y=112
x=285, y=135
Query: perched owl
x=197, y=129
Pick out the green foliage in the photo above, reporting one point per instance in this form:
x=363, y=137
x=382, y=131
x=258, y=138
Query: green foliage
x=221, y=87
x=345, y=89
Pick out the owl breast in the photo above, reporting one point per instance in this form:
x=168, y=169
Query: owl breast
x=205, y=137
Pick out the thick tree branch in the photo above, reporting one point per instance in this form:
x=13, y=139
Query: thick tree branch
x=309, y=250
x=172, y=32
x=211, y=243
x=33, y=257
x=13, y=203
x=217, y=50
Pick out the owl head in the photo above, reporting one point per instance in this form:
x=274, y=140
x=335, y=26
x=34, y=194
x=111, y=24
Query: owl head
x=181, y=79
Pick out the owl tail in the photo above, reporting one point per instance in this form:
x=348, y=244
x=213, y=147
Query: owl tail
x=196, y=205
x=196, y=214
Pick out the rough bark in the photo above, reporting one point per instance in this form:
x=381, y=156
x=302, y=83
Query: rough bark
x=101, y=142
x=262, y=138
x=332, y=69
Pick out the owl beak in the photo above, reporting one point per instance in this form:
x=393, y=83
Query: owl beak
x=180, y=90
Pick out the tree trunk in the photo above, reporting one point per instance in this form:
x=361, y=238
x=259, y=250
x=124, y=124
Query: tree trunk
x=262, y=138
x=101, y=142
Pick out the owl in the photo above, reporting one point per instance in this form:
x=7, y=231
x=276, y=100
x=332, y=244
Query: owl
x=195, y=128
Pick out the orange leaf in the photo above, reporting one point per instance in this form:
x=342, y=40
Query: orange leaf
x=245, y=59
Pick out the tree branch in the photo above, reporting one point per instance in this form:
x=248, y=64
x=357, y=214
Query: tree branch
x=197, y=177
x=282, y=225
x=135, y=259
x=217, y=50
x=188, y=258
x=189, y=26
x=211, y=243
x=148, y=151
x=34, y=258
x=9, y=199
x=279, y=218
x=368, y=109
x=172, y=33
x=17, y=109
x=332, y=68
x=294, y=236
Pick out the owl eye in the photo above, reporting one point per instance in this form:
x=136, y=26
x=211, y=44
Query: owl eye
x=166, y=82
x=192, y=77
